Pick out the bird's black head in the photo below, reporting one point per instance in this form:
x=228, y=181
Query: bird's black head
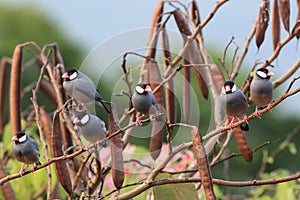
x=70, y=75
x=143, y=88
x=228, y=87
x=81, y=118
x=19, y=137
x=264, y=73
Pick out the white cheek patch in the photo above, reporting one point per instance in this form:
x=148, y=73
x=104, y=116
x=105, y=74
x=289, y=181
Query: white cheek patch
x=73, y=76
x=261, y=74
x=233, y=88
x=85, y=119
x=23, y=138
x=139, y=89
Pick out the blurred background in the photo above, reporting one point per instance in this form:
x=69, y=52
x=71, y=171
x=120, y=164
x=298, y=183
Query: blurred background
x=83, y=28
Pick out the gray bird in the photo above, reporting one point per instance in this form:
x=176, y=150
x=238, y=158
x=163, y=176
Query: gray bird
x=25, y=149
x=81, y=87
x=91, y=127
x=234, y=102
x=261, y=89
x=143, y=101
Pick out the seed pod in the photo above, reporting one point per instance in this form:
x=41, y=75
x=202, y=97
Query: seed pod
x=169, y=89
x=6, y=188
x=156, y=19
x=285, y=13
x=217, y=77
x=116, y=147
x=186, y=93
x=242, y=143
x=97, y=176
x=56, y=151
x=196, y=16
x=46, y=124
x=48, y=90
x=202, y=164
x=262, y=22
x=3, y=66
x=15, y=90
x=182, y=24
x=296, y=29
x=157, y=131
x=275, y=25
x=202, y=84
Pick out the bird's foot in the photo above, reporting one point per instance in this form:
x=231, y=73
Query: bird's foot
x=257, y=113
x=245, y=119
x=270, y=107
x=32, y=168
x=138, y=120
x=21, y=170
x=231, y=123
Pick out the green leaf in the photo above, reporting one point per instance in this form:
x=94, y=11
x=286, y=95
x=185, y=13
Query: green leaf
x=175, y=192
x=292, y=148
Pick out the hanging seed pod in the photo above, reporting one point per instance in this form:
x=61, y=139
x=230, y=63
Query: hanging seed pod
x=196, y=16
x=3, y=66
x=182, y=24
x=6, y=189
x=157, y=131
x=217, y=77
x=285, y=13
x=275, y=25
x=56, y=151
x=48, y=90
x=156, y=19
x=202, y=163
x=262, y=22
x=186, y=93
x=242, y=143
x=46, y=124
x=169, y=89
x=116, y=147
x=97, y=176
x=202, y=84
x=296, y=29
x=15, y=90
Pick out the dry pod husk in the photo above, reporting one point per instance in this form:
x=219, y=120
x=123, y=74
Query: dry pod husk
x=3, y=70
x=285, y=13
x=202, y=164
x=56, y=151
x=116, y=146
x=262, y=22
x=275, y=25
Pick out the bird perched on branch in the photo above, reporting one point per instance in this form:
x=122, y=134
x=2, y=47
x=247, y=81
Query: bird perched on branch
x=144, y=102
x=261, y=89
x=81, y=87
x=234, y=102
x=25, y=150
x=91, y=127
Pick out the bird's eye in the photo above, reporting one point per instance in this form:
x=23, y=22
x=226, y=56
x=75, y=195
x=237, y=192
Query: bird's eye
x=139, y=89
x=85, y=119
x=23, y=138
x=73, y=75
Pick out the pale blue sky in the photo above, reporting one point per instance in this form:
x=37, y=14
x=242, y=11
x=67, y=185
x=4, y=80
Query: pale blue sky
x=90, y=23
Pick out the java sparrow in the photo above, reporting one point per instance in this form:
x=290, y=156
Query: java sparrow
x=25, y=149
x=143, y=101
x=91, y=127
x=261, y=89
x=234, y=102
x=81, y=87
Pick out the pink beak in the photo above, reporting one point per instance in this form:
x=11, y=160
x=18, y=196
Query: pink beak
x=76, y=120
x=148, y=89
x=270, y=73
x=227, y=88
x=15, y=138
x=65, y=75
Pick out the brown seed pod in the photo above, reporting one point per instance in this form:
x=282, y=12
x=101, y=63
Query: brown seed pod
x=202, y=164
x=157, y=131
x=15, y=90
x=170, y=101
x=196, y=16
x=202, y=84
x=242, y=143
x=262, y=22
x=56, y=151
x=182, y=24
x=116, y=147
x=3, y=75
x=186, y=93
x=285, y=13
x=275, y=25
x=217, y=77
x=46, y=124
x=6, y=188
